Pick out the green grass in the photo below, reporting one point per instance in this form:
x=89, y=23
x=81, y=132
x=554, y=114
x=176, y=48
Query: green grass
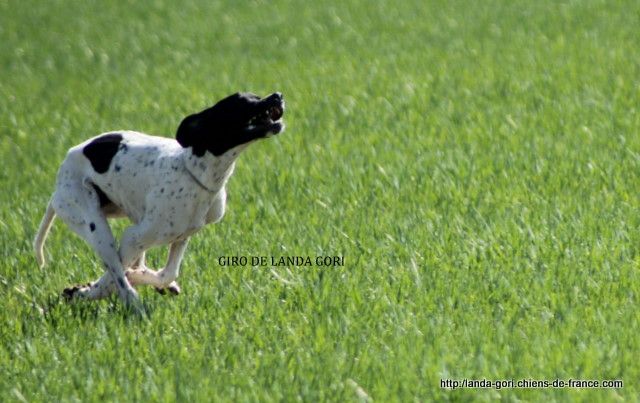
x=476, y=164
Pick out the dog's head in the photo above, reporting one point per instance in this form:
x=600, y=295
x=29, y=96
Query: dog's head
x=237, y=119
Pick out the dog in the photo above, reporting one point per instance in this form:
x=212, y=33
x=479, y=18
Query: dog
x=168, y=188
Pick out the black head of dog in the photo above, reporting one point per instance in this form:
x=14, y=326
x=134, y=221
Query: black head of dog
x=237, y=119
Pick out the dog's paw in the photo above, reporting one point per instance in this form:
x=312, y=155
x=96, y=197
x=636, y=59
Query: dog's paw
x=174, y=289
x=76, y=291
x=171, y=289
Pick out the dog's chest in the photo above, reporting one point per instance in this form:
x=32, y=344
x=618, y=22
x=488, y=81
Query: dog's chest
x=182, y=220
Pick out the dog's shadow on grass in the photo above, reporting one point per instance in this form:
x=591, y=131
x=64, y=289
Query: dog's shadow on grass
x=56, y=311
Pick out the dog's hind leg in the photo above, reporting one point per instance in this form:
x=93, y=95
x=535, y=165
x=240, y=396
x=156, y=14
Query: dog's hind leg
x=105, y=285
x=101, y=288
x=79, y=208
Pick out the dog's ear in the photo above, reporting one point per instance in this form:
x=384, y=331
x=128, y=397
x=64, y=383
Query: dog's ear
x=187, y=131
x=190, y=134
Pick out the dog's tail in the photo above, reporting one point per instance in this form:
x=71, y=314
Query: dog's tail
x=45, y=225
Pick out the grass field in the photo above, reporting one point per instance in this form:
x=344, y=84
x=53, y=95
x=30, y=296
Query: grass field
x=477, y=165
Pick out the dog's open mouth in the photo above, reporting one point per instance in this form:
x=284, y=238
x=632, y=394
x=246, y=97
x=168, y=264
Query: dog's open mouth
x=269, y=116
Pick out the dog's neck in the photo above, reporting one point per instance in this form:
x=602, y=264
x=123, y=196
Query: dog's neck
x=209, y=171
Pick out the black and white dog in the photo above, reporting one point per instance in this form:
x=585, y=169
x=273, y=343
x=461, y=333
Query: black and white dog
x=169, y=189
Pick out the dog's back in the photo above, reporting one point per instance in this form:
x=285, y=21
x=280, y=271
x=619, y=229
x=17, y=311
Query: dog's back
x=124, y=166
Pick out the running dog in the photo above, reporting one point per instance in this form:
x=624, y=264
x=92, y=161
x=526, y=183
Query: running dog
x=168, y=188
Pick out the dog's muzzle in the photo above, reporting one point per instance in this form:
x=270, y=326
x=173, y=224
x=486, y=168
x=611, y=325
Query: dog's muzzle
x=275, y=112
x=270, y=117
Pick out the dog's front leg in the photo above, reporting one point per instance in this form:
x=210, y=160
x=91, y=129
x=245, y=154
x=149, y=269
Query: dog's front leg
x=165, y=278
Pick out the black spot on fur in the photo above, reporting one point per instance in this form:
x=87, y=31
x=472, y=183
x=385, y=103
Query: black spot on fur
x=117, y=168
x=121, y=282
x=92, y=227
x=101, y=151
